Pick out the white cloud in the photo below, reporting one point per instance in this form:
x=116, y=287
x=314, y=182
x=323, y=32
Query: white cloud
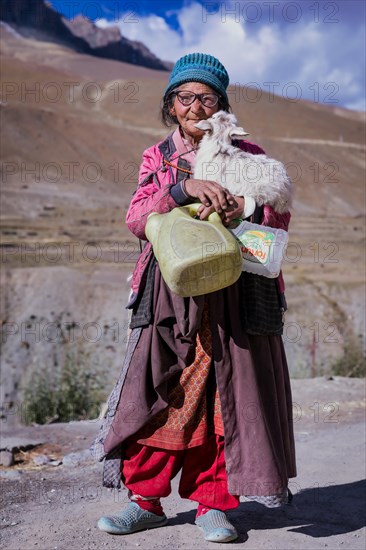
x=310, y=54
x=102, y=23
x=359, y=105
x=154, y=32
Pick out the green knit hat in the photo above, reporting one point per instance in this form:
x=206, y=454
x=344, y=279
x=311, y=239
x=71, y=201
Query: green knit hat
x=199, y=67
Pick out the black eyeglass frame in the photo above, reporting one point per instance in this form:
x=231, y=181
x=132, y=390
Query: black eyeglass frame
x=196, y=96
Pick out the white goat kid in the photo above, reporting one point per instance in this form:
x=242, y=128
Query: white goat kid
x=257, y=176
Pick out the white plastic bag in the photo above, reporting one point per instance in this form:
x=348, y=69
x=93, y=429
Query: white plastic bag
x=262, y=248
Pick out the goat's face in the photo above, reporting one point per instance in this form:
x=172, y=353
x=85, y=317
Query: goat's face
x=221, y=126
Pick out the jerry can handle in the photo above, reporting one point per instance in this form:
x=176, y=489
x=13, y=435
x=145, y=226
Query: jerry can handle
x=192, y=210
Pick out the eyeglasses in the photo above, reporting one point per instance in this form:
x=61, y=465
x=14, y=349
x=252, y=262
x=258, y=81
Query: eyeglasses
x=187, y=98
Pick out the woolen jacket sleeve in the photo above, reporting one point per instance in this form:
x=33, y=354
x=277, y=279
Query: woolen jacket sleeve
x=152, y=195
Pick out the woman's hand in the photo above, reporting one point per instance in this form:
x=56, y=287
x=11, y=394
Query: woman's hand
x=211, y=194
x=233, y=211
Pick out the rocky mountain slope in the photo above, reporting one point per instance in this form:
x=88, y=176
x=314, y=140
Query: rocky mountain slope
x=37, y=19
x=74, y=128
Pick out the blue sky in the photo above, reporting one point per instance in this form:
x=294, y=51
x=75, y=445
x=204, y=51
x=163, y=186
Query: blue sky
x=305, y=49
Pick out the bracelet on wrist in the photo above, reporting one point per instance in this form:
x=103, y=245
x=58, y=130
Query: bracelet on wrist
x=183, y=185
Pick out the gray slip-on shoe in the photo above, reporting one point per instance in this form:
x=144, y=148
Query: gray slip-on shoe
x=131, y=519
x=216, y=526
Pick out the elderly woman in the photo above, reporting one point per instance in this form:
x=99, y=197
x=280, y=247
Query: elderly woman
x=204, y=388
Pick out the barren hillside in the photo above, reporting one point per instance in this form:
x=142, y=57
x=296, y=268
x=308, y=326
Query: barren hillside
x=73, y=130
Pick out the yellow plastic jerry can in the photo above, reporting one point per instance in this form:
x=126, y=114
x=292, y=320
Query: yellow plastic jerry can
x=195, y=256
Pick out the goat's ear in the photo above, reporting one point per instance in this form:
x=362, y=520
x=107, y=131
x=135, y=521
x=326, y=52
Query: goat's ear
x=238, y=133
x=204, y=125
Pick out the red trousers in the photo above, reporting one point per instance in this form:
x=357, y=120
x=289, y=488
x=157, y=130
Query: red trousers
x=148, y=471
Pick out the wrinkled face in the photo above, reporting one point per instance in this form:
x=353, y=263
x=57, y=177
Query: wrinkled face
x=190, y=115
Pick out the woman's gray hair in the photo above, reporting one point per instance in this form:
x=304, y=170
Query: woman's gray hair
x=167, y=103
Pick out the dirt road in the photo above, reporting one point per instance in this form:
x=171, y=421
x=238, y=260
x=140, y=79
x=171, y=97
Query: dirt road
x=57, y=507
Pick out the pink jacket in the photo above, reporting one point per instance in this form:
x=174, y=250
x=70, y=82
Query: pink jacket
x=159, y=190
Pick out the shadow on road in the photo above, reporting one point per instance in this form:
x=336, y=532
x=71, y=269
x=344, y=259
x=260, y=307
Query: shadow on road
x=316, y=512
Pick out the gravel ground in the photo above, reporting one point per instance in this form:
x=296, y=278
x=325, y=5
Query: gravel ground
x=57, y=507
